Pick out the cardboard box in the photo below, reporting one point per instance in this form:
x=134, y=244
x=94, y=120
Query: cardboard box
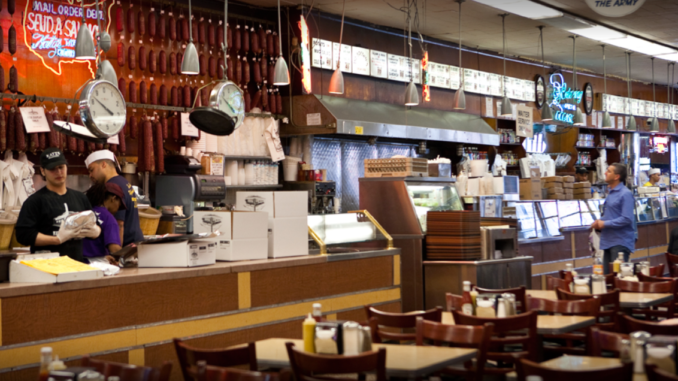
x=530, y=189
x=241, y=249
x=583, y=184
x=199, y=252
x=277, y=204
x=557, y=196
x=553, y=185
x=20, y=273
x=551, y=191
x=582, y=196
x=210, y=221
x=568, y=185
x=553, y=179
x=249, y=225
x=568, y=191
x=568, y=179
x=288, y=237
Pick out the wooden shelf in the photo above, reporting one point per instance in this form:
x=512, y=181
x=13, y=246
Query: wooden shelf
x=238, y=187
x=247, y=158
x=582, y=147
x=510, y=144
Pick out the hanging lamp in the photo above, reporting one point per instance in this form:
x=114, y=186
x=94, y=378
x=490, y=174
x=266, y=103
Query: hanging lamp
x=546, y=113
x=654, y=122
x=337, y=80
x=190, y=64
x=669, y=97
x=281, y=76
x=631, y=124
x=607, y=120
x=459, y=101
x=84, y=44
x=578, y=119
x=506, y=107
x=104, y=70
x=411, y=93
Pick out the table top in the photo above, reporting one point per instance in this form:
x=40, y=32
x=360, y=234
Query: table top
x=587, y=363
x=626, y=299
x=407, y=361
x=547, y=324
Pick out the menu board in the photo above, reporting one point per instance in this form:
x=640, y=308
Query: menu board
x=346, y=59
x=454, y=78
x=483, y=82
x=439, y=75
x=635, y=107
x=495, y=85
x=378, y=64
x=470, y=80
x=321, y=54
x=414, y=70
x=361, y=61
x=395, y=68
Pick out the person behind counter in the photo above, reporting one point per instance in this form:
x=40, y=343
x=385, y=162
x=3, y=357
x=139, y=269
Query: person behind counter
x=581, y=175
x=655, y=175
x=102, y=169
x=107, y=200
x=41, y=220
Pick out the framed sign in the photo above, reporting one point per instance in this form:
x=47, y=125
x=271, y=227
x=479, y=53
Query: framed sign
x=588, y=98
x=539, y=91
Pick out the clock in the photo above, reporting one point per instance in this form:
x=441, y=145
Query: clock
x=102, y=108
x=588, y=98
x=225, y=113
x=539, y=91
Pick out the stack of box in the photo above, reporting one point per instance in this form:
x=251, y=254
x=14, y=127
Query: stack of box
x=530, y=189
x=244, y=236
x=568, y=187
x=582, y=191
x=554, y=187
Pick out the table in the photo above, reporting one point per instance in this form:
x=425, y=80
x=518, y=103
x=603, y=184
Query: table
x=405, y=361
x=587, y=363
x=549, y=325
x=626, y=299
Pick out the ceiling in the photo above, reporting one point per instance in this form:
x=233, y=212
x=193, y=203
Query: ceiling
x=481, y=27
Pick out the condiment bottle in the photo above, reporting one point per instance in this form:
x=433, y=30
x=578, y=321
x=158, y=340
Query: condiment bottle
x=466, y=300
x=45, y=361
x=625, y=352
x=616, y=265
x=317, y=312
x=308, y=334
x=474, y=297
x=581, y=286
x=598, y=285
x=501, y=308
x=639, y=357
x=569, y=276
x=598, y=266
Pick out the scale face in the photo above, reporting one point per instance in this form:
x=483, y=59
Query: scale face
x=228, y=97
x=102, y=108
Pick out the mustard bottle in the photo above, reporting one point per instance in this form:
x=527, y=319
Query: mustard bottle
x=308, y=333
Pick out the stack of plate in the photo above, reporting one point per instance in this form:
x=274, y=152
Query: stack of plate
x=453, y=235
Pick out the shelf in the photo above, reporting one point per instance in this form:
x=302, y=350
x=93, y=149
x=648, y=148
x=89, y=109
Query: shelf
x=247, y=158
x=583, y=147
x=510, y=144
x=236, y=187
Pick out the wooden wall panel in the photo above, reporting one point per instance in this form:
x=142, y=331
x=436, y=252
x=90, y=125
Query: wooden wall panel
x=303, y=282
x=360, y=316
x=536, y=282
x=656, y=235
x=557, y=250
x=532, y=250
x=643, y=236
x=581, y=244
x=40, y=317
x=32, y=373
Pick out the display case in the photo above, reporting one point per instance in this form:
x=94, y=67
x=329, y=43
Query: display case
x=549, y=221
x=651, y=208
x=672, y=205
x=432, y=196
x=335, y=233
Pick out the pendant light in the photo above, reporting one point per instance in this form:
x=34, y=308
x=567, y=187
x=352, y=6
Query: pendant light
x=411, y=93
x=654, y=122
x=607, y=121
x=84, y=44
x=190, y=64
x=546, y=113
x=578, y=119
x=337, y=80
x=506, y=107
x=669, y=97
x=631, y=124
x=281, y=76
x=459, y=101
x=105, y=69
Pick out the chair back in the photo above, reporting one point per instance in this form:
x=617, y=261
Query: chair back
x=306, y=365
x=599, y=341
x=454, y=302
x=206, y=372
x=653, y=373
x=609, y=303
x=629, y=324
x=519, y=292
x=222, y=357
x=657, y=270
x=128, y=372
x=666, y=287
x=399, y=321
x=553, y=283
x=672, y=262
x=529, y=368
x=586, y=307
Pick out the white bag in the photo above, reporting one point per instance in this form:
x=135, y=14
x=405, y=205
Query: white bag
x=594, y=244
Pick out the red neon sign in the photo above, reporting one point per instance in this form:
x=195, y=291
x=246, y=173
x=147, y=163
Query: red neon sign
x=426, y=90
x=305, y=56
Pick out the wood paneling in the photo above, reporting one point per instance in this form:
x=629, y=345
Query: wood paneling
x=656, y=235
x=45, y=316
x=298, y=283
x=643, y=236
x=360, y=316
x=536, y=282
x=32, y=373
x=557, y=250
x=581, y=243
x=532, y=250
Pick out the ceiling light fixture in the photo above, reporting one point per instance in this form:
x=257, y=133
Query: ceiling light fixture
x=524, y=8
x=578, y=119
x=669, y=96
x=546, y=113
x=104, y=69
x=281, y=75
x=640, y=46
x=411, y=93
x=631, y=124
x=459, y=101
x=190, y=64
x=607, y=120
x=506, y=106
x=337, y=80
x=654, y=123
x=598, y=33
x=84, y=44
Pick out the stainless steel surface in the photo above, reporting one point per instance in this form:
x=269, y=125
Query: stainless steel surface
x=183, y=189
x=363, y=254
x=412, y=179
x=320, y=195
x=544, y=239
x=488, y=262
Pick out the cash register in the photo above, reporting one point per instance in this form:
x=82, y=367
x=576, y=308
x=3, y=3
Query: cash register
x=182, y=185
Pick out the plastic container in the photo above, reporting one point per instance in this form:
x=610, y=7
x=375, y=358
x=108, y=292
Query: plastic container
x=149, y=220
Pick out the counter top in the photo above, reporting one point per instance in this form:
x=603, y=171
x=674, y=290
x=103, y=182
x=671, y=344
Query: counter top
x=141, y=275
x=543, y=239
x=480, y=263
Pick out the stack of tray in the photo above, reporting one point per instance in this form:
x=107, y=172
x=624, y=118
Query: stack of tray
x=453, y=235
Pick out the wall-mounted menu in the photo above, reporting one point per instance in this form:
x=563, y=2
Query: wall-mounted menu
x=322, y=54
x=361, y=61
x=637, y=107
x=378, y=64
x=345, y=56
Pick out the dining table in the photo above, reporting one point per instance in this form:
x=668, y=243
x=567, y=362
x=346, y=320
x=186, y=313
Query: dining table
x=584, y=363
x=626, y=299
x=548, y=324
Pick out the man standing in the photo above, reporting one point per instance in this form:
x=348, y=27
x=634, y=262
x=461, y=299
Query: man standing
x=41, y=219
x=102, y=169
x=617, y=224
x=581, y=175
x=655, y=175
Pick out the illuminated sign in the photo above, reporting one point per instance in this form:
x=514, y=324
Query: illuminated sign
x=562, y=100
x=50, y=29
x=661, y=144
x=426, y=90
x=305, y=56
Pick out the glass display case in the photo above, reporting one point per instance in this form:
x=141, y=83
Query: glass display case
x=430, y=196
x=527, y=225
x=547, y=215
x=651, y=208
x=331, y=230
x=672, y=205
x=569, y=213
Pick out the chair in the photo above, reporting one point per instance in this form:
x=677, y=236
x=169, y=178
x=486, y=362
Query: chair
x=223, y=357
x=454, y=302
x=552, y=283
x=629, y=324
x=519, y=292
x=514, y=330
x=380, y=319
x=206, y=372
x=609, y=303
x=672, y=262
x=599, y=341
x=529, y=368
x=128, y=372
x=466, y=336
x=306, y=365
x=657, y=270
x=586, y=307
x=653, y=373
x=665, y=286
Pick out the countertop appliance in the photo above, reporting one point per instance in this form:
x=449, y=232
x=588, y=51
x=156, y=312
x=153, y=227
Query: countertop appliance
x=320, y=194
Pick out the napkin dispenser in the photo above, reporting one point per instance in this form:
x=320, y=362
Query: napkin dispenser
x=342, y=338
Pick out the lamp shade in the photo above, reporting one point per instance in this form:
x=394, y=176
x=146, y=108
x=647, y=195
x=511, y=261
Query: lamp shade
x=506, y=107
x=578, y=118
x=106, y=71
x=190, y=64
x=654, y=124
x=546, y=114
x=459, y=101
x=337, y=82
x=631, y=124
x=84, y=44
x=281, y=76
x=411, y=95
x=671, y=127
x=607, y=120
x=105, y=41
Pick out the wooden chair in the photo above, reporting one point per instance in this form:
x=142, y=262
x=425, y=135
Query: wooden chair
x=223, y=357
x=552, y=283
x=653, y=373
x=667, y=286
x=465, y=336
x=629, y=324
x=306, y=365
x=599, y=341
x=454, y=302
x=657, y=270
x=519, y=292
x=206, y=372
x=568, y=343
x=515, y=330
x=672, y=262
x=400, y=321
x=128, y=372
x=609, y=303
x=528, y=368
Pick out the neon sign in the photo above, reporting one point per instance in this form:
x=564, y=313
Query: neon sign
x=426, y=89
x=305, y=56
x=661, y=144
x=562, y=99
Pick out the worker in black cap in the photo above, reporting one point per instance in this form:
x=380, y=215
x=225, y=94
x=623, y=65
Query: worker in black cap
x=581, y=174
x=42, y=216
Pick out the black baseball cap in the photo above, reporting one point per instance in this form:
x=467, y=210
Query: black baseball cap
x=582, y=171
x=52, y=157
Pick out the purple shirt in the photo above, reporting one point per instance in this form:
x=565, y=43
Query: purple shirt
x=110, y=234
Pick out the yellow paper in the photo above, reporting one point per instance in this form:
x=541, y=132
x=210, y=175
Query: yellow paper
x=57, y=266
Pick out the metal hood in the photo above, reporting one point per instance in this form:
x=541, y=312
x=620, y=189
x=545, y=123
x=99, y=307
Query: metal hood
x=312, y=114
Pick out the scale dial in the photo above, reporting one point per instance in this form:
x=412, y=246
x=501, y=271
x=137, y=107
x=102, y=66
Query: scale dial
x=103, y=108
x=227, y=97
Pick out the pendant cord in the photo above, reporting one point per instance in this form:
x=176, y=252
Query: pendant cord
x=409, y=41
x=224, y=46
x=503, y=31
x=190, y=22
x=279, y=30
x=541, y=39
x=654, y=98
x=628, y=73
x=604, y=72
x=460, y=1
x=341, y=34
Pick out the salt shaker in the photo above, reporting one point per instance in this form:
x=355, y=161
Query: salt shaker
x=501, y=308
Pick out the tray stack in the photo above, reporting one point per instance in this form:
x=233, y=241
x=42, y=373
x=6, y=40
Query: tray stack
x=453, y=235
